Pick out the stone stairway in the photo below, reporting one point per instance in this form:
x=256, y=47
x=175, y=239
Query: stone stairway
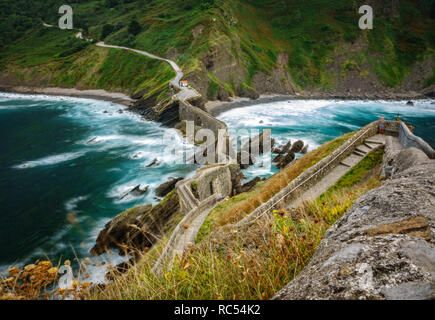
x=341, y=169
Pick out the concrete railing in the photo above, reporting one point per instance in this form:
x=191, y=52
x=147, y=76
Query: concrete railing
x=408, y=139
x=185, y=232
x=200, y=117
x=313, y=174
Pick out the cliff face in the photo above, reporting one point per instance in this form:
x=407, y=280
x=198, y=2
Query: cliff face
x=384, y=247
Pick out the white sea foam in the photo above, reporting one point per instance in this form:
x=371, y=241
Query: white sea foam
x=71, y=204
x=50, y=160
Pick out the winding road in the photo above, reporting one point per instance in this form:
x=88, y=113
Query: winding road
x=185, y=93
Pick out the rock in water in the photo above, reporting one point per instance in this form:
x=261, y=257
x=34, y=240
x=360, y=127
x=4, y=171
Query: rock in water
x=167, y=187
x=136, y=191
x=287, y=147
x=153, y=163
x=138, y=228
x=284, y=161
x=248, y=186
x=119, y=230
x=410, y=103
x=382, y=248
x=297, y=146
x=305, y=149
x=255, y=146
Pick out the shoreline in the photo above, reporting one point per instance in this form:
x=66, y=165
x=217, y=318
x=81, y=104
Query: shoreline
x=217, y=107
x=97, y=94
x=213, y=107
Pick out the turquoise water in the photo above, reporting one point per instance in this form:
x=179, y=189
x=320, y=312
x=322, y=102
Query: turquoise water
x=65, y=162
x=64, y=165
x=318, y=121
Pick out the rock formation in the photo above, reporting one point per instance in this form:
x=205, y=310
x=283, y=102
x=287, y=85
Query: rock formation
x=285, y=160
x=383, y=247
x=167, y=187
x=248, y=186
x=297, y=146
x=137, y=228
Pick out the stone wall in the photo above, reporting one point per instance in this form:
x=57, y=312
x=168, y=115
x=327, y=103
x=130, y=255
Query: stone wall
x=315, y=173
x=209, y=180
x=408, y=139
x=200, y=117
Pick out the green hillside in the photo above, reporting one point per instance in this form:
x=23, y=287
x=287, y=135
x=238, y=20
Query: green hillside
x=225, y=48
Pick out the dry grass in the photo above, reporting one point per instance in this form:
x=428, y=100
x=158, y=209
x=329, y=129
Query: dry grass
x=276, y=183
x=39, y=282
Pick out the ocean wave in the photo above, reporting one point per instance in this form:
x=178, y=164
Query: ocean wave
x=50, y=160
x=71, y=204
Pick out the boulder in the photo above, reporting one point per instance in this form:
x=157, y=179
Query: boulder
x=153, y=163
x=297, y=146
x=382, y=248
x=118, y=231
x=167, y=187
x=286, y=147
x=138, y=228
x=237, y=177
x=410, y=103
x=136, y=192
x=254, y=146
x=248, y=186
x=304, y=149
x=285, y=160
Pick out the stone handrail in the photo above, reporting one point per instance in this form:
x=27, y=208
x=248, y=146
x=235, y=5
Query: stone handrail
x=408, y=139
x=312, y=175
x=185, y=232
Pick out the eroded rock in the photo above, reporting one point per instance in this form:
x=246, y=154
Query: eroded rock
x=167, y=187
x=382, y=248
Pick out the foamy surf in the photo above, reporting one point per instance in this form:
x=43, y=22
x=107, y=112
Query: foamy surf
x=50, y=160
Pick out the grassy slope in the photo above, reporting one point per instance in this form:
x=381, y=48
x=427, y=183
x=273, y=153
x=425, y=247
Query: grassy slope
x=68, y=62
x=254, y=32
x=253, y=263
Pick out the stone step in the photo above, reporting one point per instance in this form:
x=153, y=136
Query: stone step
x=359, y=153
x=368, y=145
x=374, y=141
x=361, y=150
x=345, y=164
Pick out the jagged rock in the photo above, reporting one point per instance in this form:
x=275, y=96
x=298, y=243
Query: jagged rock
x=244, y=159
x=382, y=248
x=286, y=148
x=285, y=160
x=237, y=177
x=138, y=228
x=277, y=151
x=136, y=191
x=117, y=232
x=248, y=186
x=167, y=187
x=278, y=158
x=297, y=146
x=153, y=163
x=254, y=146
x=304, y=149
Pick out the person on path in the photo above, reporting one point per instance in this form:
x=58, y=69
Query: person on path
x=381, y=125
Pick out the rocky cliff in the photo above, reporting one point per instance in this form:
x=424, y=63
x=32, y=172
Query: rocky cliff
x=384, y=247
